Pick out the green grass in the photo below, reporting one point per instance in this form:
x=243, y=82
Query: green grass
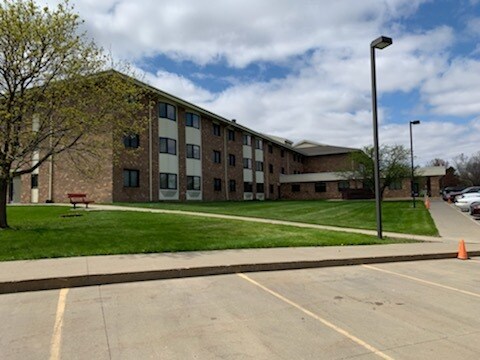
x=398, y=216
x=45, y=232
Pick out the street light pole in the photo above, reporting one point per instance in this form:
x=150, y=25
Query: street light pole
x=379, y=43
x=412, y=181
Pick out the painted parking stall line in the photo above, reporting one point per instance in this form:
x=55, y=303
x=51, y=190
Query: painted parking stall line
x=451, y=288
x=56, y=341
x=325, y=322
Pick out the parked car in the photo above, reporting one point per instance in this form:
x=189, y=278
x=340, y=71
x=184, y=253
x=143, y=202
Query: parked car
x=464, y=202
x=452, y=195
x=447, y=190
x=475, y=209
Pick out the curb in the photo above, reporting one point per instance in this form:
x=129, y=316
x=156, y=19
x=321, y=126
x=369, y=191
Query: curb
x=9, y=287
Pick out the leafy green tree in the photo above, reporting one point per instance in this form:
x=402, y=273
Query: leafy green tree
x=56, y=94
x=394, y=166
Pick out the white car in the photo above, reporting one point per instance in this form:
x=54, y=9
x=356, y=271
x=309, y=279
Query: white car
x=464, y=202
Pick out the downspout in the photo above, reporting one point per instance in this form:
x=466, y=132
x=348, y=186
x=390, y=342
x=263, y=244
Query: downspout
x=225, y=162
x=150, y=149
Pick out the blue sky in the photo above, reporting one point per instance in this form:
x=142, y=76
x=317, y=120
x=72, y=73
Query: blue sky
x=301, y=70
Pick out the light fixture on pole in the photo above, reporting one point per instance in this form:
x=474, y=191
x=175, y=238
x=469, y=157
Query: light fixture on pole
x=381, y=43
x=412, y=181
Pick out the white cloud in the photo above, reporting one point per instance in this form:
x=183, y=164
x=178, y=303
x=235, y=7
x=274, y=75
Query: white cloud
x=241, y=32
x=176, y=85
x=455, y=91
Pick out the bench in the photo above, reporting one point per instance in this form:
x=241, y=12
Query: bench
x=79, y=199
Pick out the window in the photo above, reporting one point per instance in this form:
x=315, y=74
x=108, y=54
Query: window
x=259, y=144
x=320, y=187
x=343, y=185
x=247, y=139
x=167, y=111
x=168, y=146
x=193, y=182
x=216, y=129
x=217, y=184
x=192, y=120
x=131, y=141
x=271, y=189
x=131, y=178
x=283, y=170
x=270, y=149
x=295, y=187
x=217, y=156
x=193, y=151
x=247, y=163
x=282, y=153
x=259, y=165
x=260, y=188
x=231, y=135
x=295, y=157
x=270, y=168
x=232, y=185
x=247, y=187
x=168, y=181
x=395, y=185
x=34, y=181
x=231, y=159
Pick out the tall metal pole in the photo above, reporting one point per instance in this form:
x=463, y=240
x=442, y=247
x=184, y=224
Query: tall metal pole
x=411, y=157
x=412, y=181
x=380, y=43
x=378, y=202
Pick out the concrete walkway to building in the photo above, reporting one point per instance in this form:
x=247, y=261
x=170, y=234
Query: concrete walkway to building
x=452, y=224
x=30, y=275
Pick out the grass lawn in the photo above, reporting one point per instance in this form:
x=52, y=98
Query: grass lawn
x=48, y=231
x=398, y=216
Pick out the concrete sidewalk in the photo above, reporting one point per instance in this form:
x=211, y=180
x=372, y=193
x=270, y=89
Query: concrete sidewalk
x=452, y=224
x=31, y=275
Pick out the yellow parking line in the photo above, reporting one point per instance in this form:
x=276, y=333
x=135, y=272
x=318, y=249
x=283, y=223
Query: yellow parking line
x=423, y=281
x=316, y=317
x=57, y=329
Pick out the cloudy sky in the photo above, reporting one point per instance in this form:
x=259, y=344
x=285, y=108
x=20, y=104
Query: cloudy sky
x=300, y=69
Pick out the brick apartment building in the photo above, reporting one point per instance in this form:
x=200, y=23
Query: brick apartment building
x=190, y=154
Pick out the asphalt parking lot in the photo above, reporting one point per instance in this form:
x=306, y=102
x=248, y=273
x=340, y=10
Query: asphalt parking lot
x=410, y=310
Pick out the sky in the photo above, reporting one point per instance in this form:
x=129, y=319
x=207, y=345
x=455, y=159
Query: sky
x=300, y=69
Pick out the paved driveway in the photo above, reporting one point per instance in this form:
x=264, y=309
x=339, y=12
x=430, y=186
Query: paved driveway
x=414, y=310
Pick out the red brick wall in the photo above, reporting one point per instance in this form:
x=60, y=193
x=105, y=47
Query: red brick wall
x=307, y=191
x=182, y=154
x=138, y=159
x=211, y=170
x=327, y=163
x=235, y=172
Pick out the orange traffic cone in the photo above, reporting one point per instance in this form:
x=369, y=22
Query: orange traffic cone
x=462, y=251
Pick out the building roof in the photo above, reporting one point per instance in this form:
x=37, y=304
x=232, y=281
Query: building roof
x=432, y=171
x=310, y=148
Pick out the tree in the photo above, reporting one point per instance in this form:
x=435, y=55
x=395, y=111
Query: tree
x=394, y=166
x=468, y=168
x=55, y=93
x=438, y=162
